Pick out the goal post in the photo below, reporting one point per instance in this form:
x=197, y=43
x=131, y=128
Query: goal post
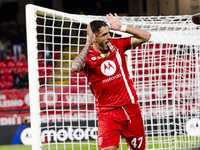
x=33, y=77
x=165, y=71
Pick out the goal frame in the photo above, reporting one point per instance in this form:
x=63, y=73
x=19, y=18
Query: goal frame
x=33, y=77
x=33, y=65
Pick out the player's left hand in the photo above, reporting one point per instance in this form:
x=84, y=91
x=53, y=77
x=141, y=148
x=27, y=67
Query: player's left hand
x=115, y=23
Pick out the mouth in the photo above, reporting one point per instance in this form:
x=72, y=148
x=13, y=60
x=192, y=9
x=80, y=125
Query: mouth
x=108, y=43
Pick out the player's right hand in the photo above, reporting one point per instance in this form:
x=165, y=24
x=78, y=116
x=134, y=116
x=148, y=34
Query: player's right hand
x=90, y=35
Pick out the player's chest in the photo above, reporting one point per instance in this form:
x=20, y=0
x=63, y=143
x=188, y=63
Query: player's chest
x=107, y=66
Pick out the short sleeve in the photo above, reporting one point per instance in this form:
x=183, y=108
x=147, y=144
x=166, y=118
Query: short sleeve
x=126, y=43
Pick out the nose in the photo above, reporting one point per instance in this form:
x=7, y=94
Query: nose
x=109, y=37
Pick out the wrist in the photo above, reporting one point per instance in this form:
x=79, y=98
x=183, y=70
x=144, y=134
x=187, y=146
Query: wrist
x=123, y=28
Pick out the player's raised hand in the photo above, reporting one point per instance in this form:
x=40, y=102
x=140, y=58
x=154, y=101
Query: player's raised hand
x=90, y=35
x=115, y=23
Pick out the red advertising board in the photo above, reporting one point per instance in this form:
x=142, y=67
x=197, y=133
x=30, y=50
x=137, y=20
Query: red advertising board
x=157, y=111
x=14, y=100
x=49, y=98
x=73, y=96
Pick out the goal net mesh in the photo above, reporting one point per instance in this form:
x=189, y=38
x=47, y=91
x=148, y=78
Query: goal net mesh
x=165, y=72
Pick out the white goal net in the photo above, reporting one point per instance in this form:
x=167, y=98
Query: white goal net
x=165, y=71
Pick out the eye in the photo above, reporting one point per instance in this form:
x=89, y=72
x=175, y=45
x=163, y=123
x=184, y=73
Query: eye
x=104, y=34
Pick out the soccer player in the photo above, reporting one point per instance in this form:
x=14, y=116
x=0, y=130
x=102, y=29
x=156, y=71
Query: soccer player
x=103, y=62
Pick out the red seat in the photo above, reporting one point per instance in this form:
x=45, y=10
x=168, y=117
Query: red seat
x=163, y=70
x=49, y=71
x=165, y=46
x=42, y=80
x=146, y=78
x=1, y=85
x=140, y=79
x=164, y=77
x=24, y=69
x=82, y=81
x=12, y=58
x=3, y=78
x=41, y=72
x=140, y=72
x=8, y=84
x=151, y=46
x=139, y=65
x=2, y=64
x=2, y=71
x=41, y=63
x=19, y=64
x=6, y=71
x=40, y=55
x=11, y=64
x=155, y=77
x=74, y=89
x=81, y=74
x=23, y=57
x=146, y=71
x=56, y=55
x=141, y=46
x=170, y=76
x=10, y=78
x=73, y=81
x=20, y=70
x=14, y=70
x=74, y=74
x=157, y=46
x=8, y=57
x=25, y=64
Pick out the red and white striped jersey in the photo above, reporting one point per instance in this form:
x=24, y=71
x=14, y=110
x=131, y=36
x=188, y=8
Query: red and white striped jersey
x=108, y=77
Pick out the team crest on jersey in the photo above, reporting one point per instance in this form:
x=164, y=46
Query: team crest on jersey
x=113, y=48
x=108, y=67
x=93, y=58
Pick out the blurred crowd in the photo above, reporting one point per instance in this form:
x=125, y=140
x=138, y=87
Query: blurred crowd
x=13, y=56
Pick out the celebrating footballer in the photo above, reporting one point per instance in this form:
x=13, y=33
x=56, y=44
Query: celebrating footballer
x=103, y=62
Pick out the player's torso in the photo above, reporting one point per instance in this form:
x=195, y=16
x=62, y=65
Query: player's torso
x=109, y=78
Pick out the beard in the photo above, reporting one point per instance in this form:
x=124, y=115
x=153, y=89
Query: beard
x=105, y=47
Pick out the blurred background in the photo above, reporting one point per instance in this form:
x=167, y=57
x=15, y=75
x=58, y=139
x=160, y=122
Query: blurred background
x=13, y=50
x=15, y=9
x=14, y=101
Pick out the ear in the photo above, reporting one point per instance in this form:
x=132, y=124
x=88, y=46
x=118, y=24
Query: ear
x=96, y=39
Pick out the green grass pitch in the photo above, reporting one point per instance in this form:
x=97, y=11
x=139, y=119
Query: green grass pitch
x=159, y=143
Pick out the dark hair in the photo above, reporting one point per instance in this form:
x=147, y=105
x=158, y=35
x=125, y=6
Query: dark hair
x=96, y=25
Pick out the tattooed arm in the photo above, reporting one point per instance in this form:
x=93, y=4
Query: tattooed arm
x=79, y=62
